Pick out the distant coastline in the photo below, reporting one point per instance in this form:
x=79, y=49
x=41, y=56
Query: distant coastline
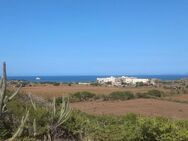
x=89, y=78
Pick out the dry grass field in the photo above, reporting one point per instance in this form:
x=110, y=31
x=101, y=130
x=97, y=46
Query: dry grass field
x=49, y=91
x=180, y=98
x=149, y=107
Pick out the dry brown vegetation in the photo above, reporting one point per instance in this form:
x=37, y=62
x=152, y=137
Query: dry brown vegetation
x=150, y=107
x=49, y=91
x=180, y=98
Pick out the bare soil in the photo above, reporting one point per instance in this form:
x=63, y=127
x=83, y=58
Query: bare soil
x=149, y=107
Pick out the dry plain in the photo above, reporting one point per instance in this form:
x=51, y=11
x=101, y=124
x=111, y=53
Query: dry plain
x=49, y=91
x=149, y=107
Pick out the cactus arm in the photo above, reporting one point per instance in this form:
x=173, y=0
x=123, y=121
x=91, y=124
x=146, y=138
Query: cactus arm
x=1, y=82
x=4, y=78
x=64, y=112
x=49, y=137
x=54, y=108
x=65, y=109
x=15, y=93
x=32, y=103
x=65, y=118
x=3, y=88
x=4, y=104
x=34, y=128
x=62, y=109
x=20, y=128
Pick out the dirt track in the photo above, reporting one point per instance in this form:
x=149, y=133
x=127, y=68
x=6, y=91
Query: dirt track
x=148, y=107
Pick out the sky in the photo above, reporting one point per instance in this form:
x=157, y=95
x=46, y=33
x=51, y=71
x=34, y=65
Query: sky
x=94, y=37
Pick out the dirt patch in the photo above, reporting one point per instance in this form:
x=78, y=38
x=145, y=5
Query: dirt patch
x=149, y=107
x=51, y=91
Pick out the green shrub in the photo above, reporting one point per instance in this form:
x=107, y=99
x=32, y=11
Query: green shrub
x=120, y=96
x=56, y=84
x=156, y=129
x=81, y=96
x=78, y=126
x=95, y=84
x=150, y=94
x=138, y=128
x=155, y=93
x=69, y=84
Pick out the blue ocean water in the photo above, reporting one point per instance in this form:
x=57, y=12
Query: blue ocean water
x=89, y=78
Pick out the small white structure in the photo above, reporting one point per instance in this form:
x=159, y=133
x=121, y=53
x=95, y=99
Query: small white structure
x=37, y=78
x=83, y=83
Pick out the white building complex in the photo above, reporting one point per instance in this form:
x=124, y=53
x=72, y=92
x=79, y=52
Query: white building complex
x=117, y=81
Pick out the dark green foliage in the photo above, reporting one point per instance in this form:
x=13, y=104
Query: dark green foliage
x=81, y=96
x=155, y=93
x=95, y=84
x=126, y=128
x=56, y=84
x=42, y=115
x=77, y=126
x=69, y=84
x=151, y=94
x=85, y=96
x=120, y=96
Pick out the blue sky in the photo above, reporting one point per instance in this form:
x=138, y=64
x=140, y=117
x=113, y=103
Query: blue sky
x=94, y=37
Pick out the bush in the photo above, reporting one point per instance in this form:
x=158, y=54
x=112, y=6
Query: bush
x=78, y=126
x=129, y=128
x=56, y=84
x=120, y=96
x=155, y=93
x=69, y=84
x=81, y=96
x=150, y=94
x=95, y=84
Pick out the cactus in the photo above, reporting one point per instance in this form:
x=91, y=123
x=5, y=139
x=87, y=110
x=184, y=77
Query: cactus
x=64, y=112
x=4, y=99
x=58, y=117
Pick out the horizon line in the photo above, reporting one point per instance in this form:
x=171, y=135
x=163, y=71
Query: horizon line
x=95, y=75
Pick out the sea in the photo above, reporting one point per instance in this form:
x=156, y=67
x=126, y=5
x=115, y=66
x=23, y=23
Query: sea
x=89, y=78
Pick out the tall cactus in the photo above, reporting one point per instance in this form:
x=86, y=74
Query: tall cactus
x=4, y=99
